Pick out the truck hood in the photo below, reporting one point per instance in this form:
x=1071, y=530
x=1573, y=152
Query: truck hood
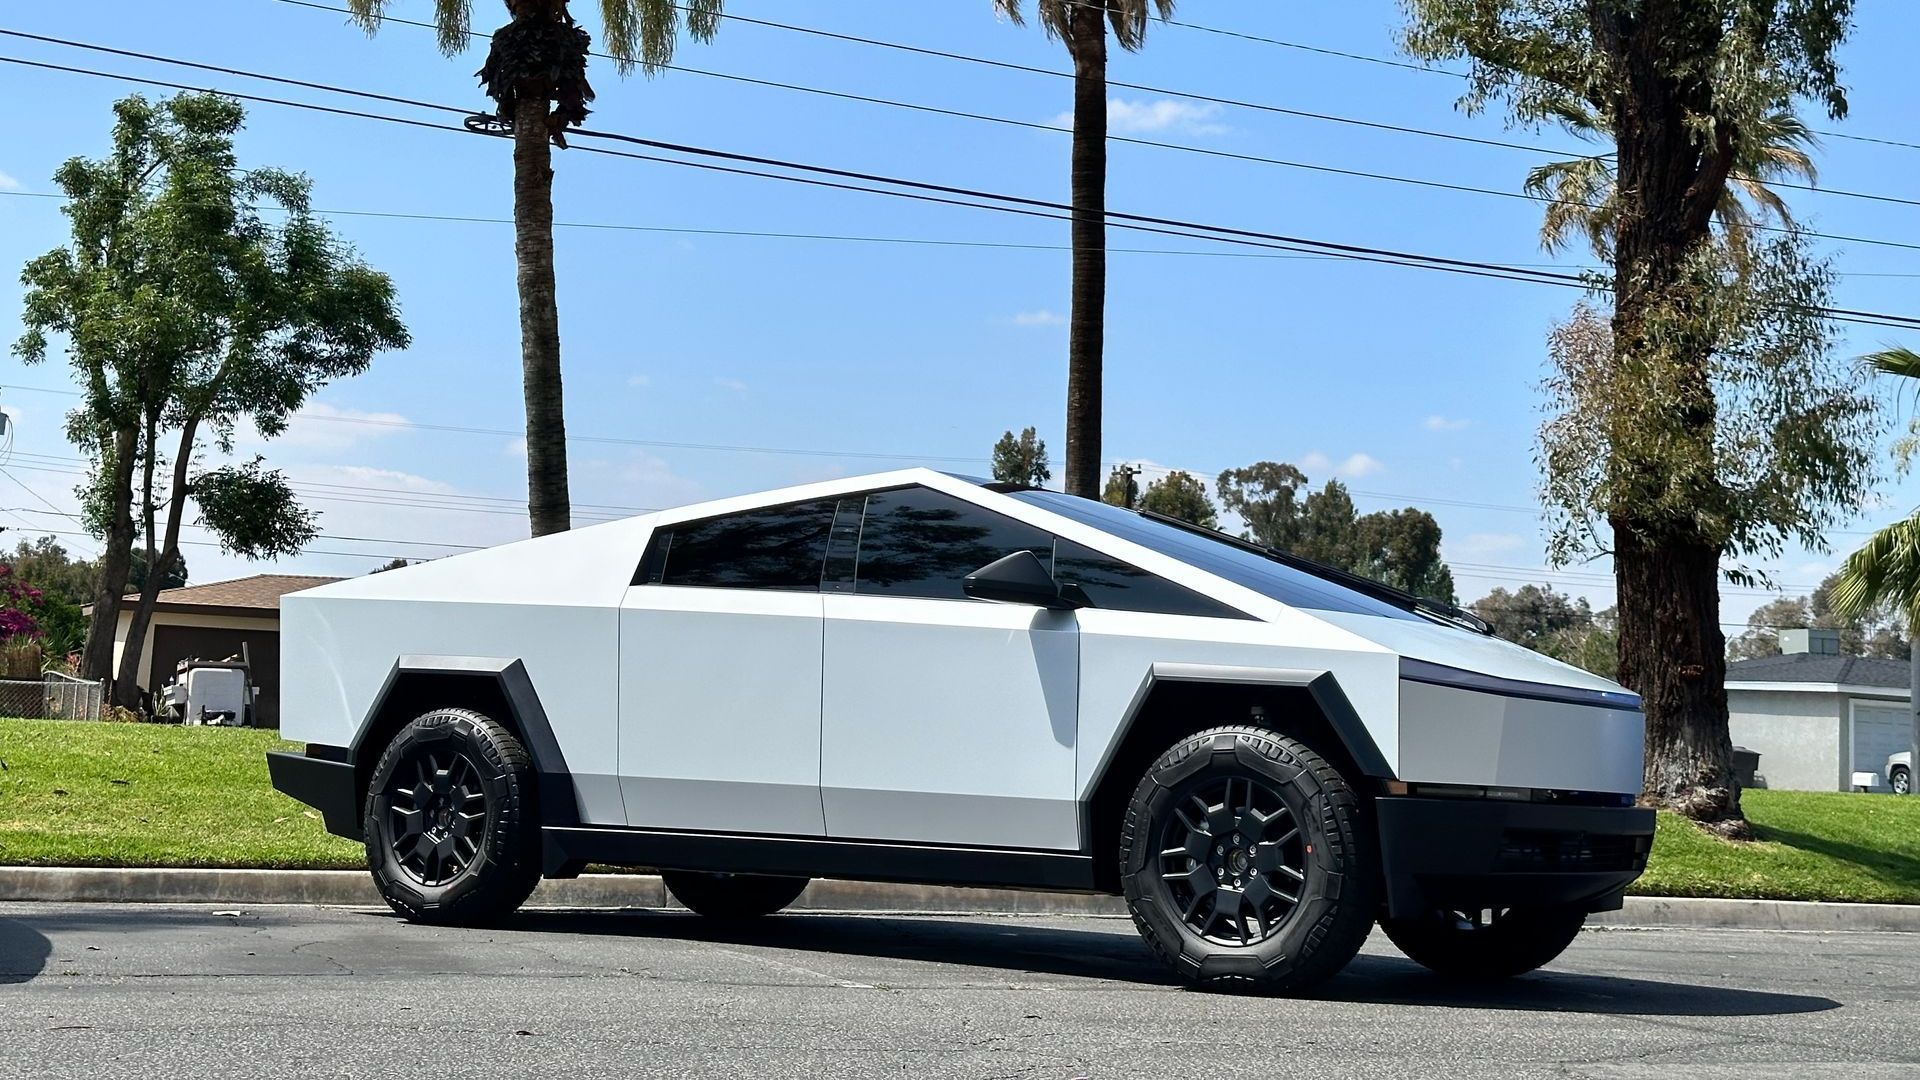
x=1459, y=648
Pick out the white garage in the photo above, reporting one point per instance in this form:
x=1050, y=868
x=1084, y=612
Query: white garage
x=1818, y=718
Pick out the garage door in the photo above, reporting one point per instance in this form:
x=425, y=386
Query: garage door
x=172, y=644
x=1879, y=731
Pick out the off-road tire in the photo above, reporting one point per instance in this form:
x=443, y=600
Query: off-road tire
x=1506, y=944
x=1336, y=898
x=732, y=897
x=505, y=865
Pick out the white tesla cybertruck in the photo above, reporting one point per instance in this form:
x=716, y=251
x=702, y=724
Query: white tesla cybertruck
x=918, y=677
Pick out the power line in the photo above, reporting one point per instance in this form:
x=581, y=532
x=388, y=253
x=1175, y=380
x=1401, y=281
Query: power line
x=1161, y=144
x=957, y=196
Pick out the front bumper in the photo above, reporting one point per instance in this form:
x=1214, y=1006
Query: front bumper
x=325, y=785
x=1463, y=854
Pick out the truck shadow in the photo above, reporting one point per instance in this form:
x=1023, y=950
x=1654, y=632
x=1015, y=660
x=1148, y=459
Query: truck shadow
x=1008, y=948
x=23, y=951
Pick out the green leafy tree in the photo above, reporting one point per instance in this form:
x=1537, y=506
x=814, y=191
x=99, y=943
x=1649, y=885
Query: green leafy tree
x=1551, y=622
x=1083, y=26
x=185, y=311
x=1402, y=548
x=1123, y=487
x=1703, y=419
x=1021, y=459
x=1266, y=497
x=536, y=74
x=1182, y=495
x=1875, y=631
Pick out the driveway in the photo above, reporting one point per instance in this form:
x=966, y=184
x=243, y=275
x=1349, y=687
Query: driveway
x=152, y=991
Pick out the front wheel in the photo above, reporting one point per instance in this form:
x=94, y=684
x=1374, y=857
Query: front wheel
x=1246, y=862
x=452, y=832
x=732, y=897
x=1485, y=945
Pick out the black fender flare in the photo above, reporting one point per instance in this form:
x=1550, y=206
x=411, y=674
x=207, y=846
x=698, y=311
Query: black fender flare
x=506, y=676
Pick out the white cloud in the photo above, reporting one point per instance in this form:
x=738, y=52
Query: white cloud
x=320, y=426
x=738, y=386
x=1042, y=317
x=8, y=183
x=517, y=446
x=1352, y=467
x=638, y=381
x=1157, y=116
x=1444, y=423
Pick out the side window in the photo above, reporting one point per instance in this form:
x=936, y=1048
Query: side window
x=1116, y=586
x=780, y=547
x=916, y=542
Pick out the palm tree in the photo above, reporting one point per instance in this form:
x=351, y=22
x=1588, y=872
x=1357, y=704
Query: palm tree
x=1886, y=569
x=1579, y=192
x=1082, y=24
x=536, y=73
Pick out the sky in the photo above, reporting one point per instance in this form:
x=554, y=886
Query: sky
x=700, y=363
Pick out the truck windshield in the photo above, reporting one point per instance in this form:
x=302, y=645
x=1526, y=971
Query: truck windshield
x=1290, y=586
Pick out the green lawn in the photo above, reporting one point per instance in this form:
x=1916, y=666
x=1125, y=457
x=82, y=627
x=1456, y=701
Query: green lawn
x=1814, y=845
x=88, y=794
x=77, y=794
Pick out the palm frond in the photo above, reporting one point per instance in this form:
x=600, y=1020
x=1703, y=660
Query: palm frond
x=1886, y=570
x=452, y=21
x=645, y=32
x=1899, y=361
x=1579, y=196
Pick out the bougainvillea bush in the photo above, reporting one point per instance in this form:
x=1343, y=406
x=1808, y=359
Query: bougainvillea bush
x=19, y=605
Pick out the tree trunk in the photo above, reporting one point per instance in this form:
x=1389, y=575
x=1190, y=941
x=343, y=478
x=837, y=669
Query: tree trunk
x=548, y=506
x=116, y=555
x=126, y=685
x=1086, y=324
x=1674, y=656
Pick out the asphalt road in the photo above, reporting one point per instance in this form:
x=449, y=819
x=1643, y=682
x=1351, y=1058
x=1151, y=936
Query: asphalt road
x=143, y=991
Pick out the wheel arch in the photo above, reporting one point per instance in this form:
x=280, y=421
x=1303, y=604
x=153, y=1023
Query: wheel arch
x=1177, y=700
x=497, y=687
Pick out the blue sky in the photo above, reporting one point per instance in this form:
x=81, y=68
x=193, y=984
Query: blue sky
x=1416, y=387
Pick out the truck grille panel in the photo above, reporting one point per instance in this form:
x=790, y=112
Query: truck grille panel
x=1531, y=851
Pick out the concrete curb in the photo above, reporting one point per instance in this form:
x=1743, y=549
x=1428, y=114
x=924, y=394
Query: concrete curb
x=352, y=888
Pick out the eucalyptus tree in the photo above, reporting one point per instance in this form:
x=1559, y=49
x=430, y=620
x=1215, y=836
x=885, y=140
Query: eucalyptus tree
x=1082, y=25
x=184, y=311
x=1679, y=435
x=536, y=74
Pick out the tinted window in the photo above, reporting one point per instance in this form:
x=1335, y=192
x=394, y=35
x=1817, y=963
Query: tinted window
x=1277, y=580
x=1116, y=586
x=916, y=542
x=777, y=548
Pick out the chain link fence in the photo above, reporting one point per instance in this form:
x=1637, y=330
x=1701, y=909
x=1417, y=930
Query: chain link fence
x=53, y=696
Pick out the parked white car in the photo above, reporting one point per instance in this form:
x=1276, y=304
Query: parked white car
x=917, y=677
x=1900, y=772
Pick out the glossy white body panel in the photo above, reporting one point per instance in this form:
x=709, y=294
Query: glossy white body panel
x=720, y=710
x=1455, y=736
x=949, y=721
x=939, y=721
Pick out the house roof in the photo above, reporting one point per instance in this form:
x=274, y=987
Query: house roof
x=1822, y=670
x=259, y=594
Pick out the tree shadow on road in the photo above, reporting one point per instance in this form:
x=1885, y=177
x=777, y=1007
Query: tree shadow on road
x=23, y=951
x=1010, y=948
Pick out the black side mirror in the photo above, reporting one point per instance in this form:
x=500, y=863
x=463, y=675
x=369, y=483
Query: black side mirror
x=1019, y=578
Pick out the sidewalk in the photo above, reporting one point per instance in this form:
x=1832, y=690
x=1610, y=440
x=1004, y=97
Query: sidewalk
x=353, y=888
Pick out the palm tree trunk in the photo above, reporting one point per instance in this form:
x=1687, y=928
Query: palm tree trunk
x=116, y=556
x=548, y=506
x=1086, y=324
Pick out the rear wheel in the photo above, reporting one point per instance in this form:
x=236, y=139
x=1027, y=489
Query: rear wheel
x=452, y=832
x=732, y=896
x=1482, y=945
x=1901, y=781
x=1245, y=862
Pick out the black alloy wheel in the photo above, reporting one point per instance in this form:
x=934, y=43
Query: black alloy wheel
x=1234, y=861
x=437, y=814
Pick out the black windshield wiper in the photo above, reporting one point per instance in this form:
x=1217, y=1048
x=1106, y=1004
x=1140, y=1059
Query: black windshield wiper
x=1366, y=586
